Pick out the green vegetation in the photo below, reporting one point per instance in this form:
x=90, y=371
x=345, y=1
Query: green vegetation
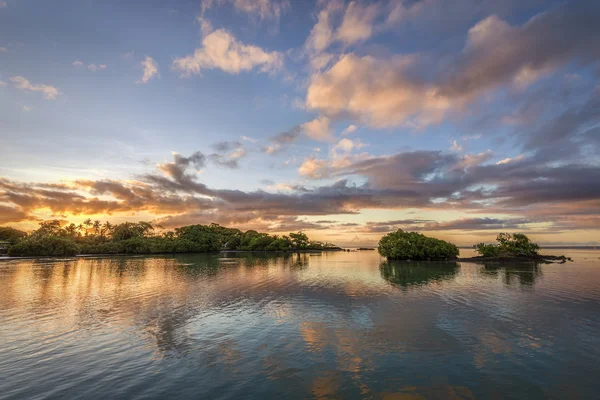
x=92, y=237
x=11, y=235
x=402, y=245
x=509, y=245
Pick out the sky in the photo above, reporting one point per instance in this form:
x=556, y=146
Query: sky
x=346, y=120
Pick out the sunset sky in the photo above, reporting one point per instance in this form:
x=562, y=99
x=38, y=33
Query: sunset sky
x=347, y=120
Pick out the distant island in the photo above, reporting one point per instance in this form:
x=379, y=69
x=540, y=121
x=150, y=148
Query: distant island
x=53, y=238
x=510, y=247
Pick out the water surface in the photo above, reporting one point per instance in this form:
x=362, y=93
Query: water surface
x=337, y=325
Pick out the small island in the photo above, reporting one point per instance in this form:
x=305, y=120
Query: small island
x=510, y=247
x=401, y=245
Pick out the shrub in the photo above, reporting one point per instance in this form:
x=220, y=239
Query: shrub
x=44, y=246
x=515, y=245
x=487, y=250
x=402, y=245
x=11, y=235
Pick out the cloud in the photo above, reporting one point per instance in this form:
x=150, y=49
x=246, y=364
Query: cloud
x=350, y=129
x=228, y=154
x=346, y=145
x=94, y=67
x=221, y=50
x=462, y=224
x=3, y=50
x=150, y=70
x=532, y=190
x=91, y=67
x=11, y=214
x=340, y=156
x=508, y=160
x=261, y=9
x=313, y=168
x=283, y=139
x=49, y=92
x=455, y=146
x=318, y=129
x=405, y=90
x=357, y=24
x=497, y=53
x=380, y=93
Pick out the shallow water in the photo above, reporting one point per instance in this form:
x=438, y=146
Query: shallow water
x=337, y=325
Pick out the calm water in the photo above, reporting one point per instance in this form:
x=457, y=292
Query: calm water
x=340, y=325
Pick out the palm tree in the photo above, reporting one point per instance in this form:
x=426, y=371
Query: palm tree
x=106, y=228
x=87, y=223
x=97, y=224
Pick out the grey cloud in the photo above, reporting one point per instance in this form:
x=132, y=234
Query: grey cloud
x=497, y=52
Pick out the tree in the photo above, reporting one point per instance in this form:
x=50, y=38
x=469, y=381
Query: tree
x=87, y=223
x=402, y=245
x=96, y=225
x=49, y=228
x=513, y=245
x=299, y=240
x=44, y=246
x=11, y=235
x=71, y=230
x=52, y=239
x=106, y=230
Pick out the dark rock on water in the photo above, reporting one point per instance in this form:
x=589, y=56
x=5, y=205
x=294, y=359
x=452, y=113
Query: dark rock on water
x=544, y=259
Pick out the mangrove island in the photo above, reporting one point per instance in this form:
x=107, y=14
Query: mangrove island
x=93, y=237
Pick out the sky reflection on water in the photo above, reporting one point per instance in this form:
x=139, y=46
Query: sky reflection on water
x=337, y=325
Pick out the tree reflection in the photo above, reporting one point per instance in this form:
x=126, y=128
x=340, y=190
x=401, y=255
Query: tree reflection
x=524, y=274
x=406, y=274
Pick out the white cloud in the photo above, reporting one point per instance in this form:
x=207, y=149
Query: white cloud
x=341, y=155
x=221, y=50
x=248, y=139
x=377, y=92
x=2, y=83
x=91, y=67
x=456, y=146
x=349, y=130
x=471, y=160
x=206, y=26
x=3, y=50
x=318, y=129
x=273, y=148
x=509, y=160
x=347, y=145
x=26, y=108
x=358, y=23
x=50, y=92
x=94, y=67
x=3, y=4
x=313, y=168
x=150, y=69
